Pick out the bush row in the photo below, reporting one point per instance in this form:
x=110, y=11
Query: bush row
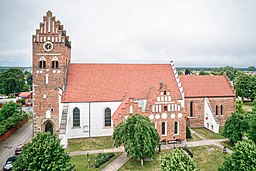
x=102, y=158
x=10, y=122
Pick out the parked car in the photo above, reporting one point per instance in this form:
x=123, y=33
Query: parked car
x=18, y=149
x=9, y=163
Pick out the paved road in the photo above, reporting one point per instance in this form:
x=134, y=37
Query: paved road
x=8, y=146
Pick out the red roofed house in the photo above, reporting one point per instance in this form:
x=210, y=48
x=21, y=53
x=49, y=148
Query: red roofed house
x=88, y=100
x=27, y=96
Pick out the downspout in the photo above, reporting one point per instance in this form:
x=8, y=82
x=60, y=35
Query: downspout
x=89, y=119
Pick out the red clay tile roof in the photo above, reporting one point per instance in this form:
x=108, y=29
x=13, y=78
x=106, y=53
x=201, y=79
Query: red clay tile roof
x=206, y=86
x=111, y=82
x=24, y=94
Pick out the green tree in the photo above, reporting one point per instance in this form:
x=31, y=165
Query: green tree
x=43, y=153
x=11, y=81
x=239, y=106
x=235, y=126
x=227, y=70
x=251, y=68
x=9, y=109
x=203, y=73
x=243, y=158
x=177, y=160
x=138, y=135
x=245, y=86
x=251, y=116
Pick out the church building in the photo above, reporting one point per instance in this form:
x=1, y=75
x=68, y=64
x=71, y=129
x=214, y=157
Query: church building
x=89, y=100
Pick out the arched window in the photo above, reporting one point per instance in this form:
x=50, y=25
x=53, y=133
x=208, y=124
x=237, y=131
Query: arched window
x=191, y=109
x=42, y=62
x=107, y=117
x=216, y=110
x=221, y=110
x=164, y=92
x=176, y=128
x=55, y=62
x=163, y=128
x=76, y=117
x=49, y=127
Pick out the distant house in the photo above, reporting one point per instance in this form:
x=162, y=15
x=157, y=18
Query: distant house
x=27, y=96
x=6, y=100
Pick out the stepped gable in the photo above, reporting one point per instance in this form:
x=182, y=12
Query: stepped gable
x=206, y=86
x=112, y=82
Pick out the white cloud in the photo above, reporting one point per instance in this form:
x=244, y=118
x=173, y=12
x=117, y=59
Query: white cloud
x=192, y=33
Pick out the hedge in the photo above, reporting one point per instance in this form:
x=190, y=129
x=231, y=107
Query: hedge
x=102, y=158
x=10, y=122
x=10, y=116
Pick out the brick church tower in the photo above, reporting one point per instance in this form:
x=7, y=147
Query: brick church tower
x=51, y=58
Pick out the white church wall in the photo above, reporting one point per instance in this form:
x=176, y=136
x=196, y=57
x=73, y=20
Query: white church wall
x=209, y=121
x=78, y=132
x=96, y=119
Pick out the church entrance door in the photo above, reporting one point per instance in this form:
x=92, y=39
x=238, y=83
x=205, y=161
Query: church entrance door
x=49, y=127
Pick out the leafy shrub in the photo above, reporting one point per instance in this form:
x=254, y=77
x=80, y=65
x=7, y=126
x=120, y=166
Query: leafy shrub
x=177, y=160
x=10, y=116
x=22, y=101
x=102, y=158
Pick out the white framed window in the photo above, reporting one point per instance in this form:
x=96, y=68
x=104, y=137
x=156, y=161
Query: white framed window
x=107, y=117
x=76, y=117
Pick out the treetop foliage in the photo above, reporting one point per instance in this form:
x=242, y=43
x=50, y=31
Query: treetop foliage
x=13, y=80
x=43, y=153
x=235, y=126
x=138, y=135
x=243, y=158
x=177, y=160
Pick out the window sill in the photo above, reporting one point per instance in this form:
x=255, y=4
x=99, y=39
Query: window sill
x=76, y=127
x=108, y=127
x=164, y=135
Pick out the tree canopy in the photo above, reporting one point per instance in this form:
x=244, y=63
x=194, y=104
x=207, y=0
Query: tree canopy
x=227, y=70
x=9, y=109
x=43, y=153
x=251, y=68
x=235, y=126
x=251, y=116
x=245, y=86
x=243, y=157
x=177, y=160
x=138, y=135
x=11, y=81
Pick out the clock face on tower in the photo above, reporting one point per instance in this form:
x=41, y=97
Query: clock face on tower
x=48, y=46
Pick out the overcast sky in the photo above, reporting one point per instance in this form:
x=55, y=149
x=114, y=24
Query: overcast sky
x=192, y=33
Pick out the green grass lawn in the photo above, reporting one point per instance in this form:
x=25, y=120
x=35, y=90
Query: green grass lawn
x=229, y=145
x=134, y=164
x=194, y=138
x=83, y=144
x=81, y=162
x=248, y=106
x=207, y=158
x=209, y=134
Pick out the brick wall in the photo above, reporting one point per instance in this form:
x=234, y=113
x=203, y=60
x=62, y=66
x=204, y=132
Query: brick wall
x=197, y=120
x=46, y=96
